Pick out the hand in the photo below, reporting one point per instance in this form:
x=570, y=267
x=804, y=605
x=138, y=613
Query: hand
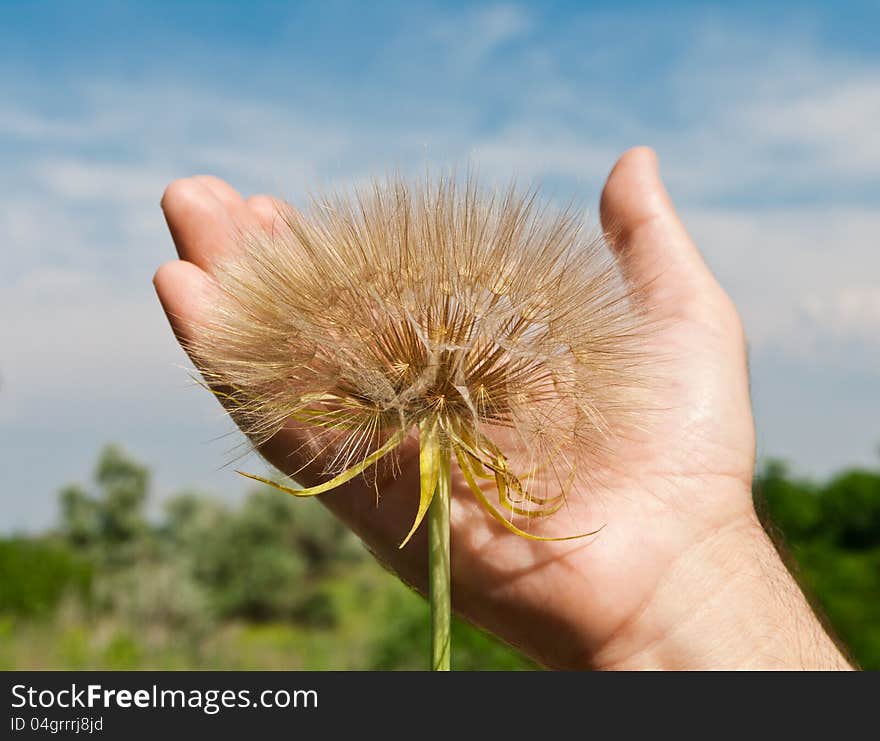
x=682, y=575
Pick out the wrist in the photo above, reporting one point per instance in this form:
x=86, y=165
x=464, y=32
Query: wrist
x=727, y=603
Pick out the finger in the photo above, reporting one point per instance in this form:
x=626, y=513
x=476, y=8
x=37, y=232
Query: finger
x=184, y=291
x=187, y=294
x=266, y=210
x=652, y=244
x=259, y=211
x=204, y=219
x=224, y=192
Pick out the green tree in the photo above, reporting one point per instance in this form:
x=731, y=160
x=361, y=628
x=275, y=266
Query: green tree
x=80, y=516
x=787, y=504
x=851, y=509
x=123, y=483
x=244, y=558
x=833, y=530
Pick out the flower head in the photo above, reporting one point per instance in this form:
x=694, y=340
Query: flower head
x=496, y=325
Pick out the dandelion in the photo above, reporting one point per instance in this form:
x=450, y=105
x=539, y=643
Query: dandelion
x=498, y=328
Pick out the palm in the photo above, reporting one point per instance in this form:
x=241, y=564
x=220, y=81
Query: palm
x=559, y=601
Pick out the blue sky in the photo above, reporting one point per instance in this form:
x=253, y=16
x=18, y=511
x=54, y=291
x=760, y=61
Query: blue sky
x=765, y=121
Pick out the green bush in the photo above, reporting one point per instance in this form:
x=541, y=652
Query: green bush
x=35, y=574
x=402, y=640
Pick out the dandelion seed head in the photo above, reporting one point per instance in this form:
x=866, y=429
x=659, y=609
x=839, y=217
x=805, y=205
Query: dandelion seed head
x=503, y=319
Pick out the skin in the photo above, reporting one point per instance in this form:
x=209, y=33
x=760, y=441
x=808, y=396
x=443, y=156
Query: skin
x=682, y=576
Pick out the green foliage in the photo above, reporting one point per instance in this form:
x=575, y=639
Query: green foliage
x=123, y=484
x=846, y=587
x=833, y=534
x=792, y=506
x=80, y=516
x=402, y=641
x=263, y=561
x=110, y=521
x=276, y=583
x=851, y=509
x=36, y=574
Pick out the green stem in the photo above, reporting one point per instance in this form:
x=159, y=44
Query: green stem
x=438, y=565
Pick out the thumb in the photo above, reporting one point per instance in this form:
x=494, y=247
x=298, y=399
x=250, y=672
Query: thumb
x=652, y=245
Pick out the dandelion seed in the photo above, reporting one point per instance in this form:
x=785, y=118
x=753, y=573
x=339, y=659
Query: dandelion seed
x=498, y=328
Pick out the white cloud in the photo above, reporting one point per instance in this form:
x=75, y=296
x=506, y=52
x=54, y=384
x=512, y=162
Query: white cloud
x=22, y=124
x=474, y=35
x=852, y=312
x=76, y=180
x=832, y=129
x=544, y=150
x=801, y=277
